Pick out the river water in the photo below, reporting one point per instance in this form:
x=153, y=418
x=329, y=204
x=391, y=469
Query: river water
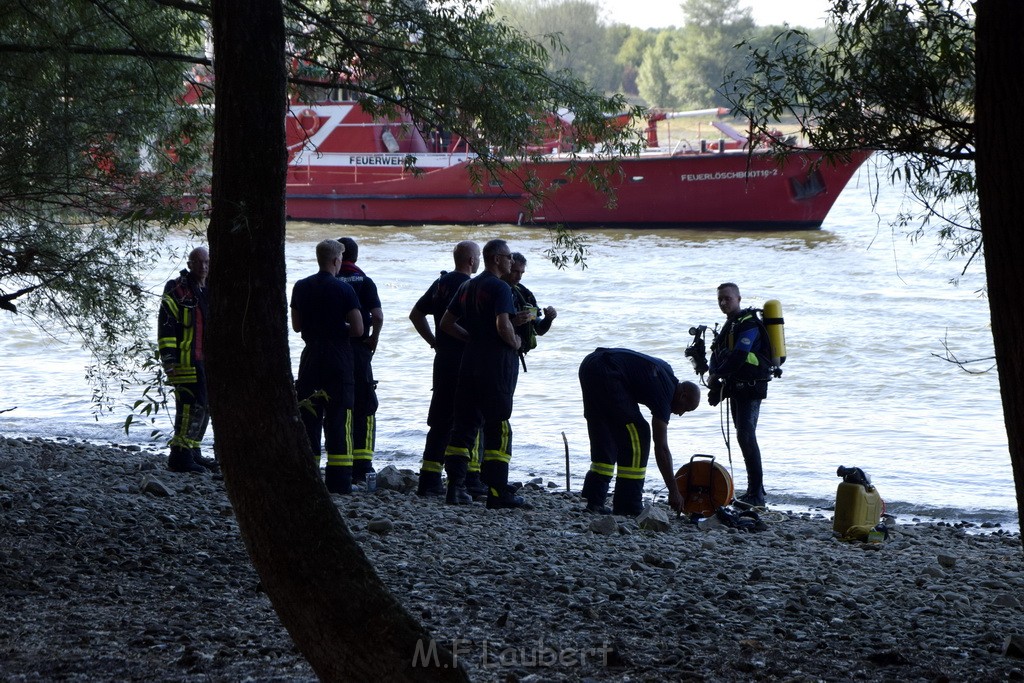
x=866, y=314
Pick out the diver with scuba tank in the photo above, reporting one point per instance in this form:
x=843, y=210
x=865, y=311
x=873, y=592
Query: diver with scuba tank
x=740, y=368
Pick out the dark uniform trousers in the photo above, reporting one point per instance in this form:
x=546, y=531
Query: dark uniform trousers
x=620, y=437
x=442, y=413
x=326, y=399
x=364, y=411
x=191, y=418
x=483, y=402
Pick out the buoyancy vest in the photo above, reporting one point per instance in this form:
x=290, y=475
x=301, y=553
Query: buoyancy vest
x=756, y=365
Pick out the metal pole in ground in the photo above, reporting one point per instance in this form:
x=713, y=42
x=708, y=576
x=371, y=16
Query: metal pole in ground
x=566, y=441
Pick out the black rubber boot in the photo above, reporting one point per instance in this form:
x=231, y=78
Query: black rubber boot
x=750, y=500
x=208, y=463
x=474, y=486
x=456, y=467
x=627, y=498
x=505, y=498
x=595, y=491
x=361, y=468
x=338, y=479
x=181, y=461
x=494, y=475
x=430, y=485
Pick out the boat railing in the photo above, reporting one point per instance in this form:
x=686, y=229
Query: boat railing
x=682, y=143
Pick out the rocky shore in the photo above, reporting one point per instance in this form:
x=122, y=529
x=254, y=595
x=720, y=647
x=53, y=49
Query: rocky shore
x=112, y=568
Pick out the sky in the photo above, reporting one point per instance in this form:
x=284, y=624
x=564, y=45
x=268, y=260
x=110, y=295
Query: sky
x=662, y=13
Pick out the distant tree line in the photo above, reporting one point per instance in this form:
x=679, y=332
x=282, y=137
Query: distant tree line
x=671, y=68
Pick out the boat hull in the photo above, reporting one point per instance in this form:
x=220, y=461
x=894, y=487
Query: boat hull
x=348, y=166
x=729, y=190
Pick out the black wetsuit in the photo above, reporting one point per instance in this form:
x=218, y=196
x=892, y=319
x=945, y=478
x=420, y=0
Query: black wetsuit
x=740, y=358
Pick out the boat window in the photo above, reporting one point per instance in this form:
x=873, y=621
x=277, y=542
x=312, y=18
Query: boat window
x=342, y=95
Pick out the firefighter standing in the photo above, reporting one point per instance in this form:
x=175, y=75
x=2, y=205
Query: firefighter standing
x=326, y=312
x=181, y=320
x=480, y=314
x=364, y=410
x=447, y=359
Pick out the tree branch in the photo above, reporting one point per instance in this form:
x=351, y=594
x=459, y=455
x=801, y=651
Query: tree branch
x=9, y=48
x=950, y=357
x=184, y=6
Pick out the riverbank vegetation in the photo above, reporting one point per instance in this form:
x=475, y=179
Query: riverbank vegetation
x=678, y=68
x=93, y=143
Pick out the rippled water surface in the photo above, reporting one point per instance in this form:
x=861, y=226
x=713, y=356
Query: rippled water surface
x=866, y=315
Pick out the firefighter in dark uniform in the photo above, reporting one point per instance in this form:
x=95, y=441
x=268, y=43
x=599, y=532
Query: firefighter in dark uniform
x=447, y=358
x=364, y=411
x=615, y=382
x=530, y=320
x=181, y=320
x=740, y=368
x=326, y=312
x=480, y=314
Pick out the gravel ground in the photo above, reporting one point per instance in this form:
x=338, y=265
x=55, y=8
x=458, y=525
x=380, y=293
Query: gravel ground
x=112, y=568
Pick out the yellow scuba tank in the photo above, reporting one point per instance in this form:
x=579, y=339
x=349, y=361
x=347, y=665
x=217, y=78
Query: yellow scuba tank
x=773, y=322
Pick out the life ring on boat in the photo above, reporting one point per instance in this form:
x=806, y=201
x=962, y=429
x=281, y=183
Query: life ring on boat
x=309, y=121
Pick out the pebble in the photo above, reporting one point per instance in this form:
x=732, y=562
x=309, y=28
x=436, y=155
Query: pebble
x=113, y=568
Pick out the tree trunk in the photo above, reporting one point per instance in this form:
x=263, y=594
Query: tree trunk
x=999, y=101
x=323, y=588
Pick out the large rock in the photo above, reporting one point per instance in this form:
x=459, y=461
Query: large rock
x=380, y=526
x=1013, y=646
x=155, y=487
x=390, y=478
x=604, y=525
x=653, y=519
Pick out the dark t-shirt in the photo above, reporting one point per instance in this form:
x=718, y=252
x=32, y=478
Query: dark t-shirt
x=476, y=305
x=323, y=302
x=435, y=302
x=648, y=380
x=365, y=288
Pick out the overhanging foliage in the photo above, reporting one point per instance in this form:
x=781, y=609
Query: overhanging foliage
x=897, y=77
